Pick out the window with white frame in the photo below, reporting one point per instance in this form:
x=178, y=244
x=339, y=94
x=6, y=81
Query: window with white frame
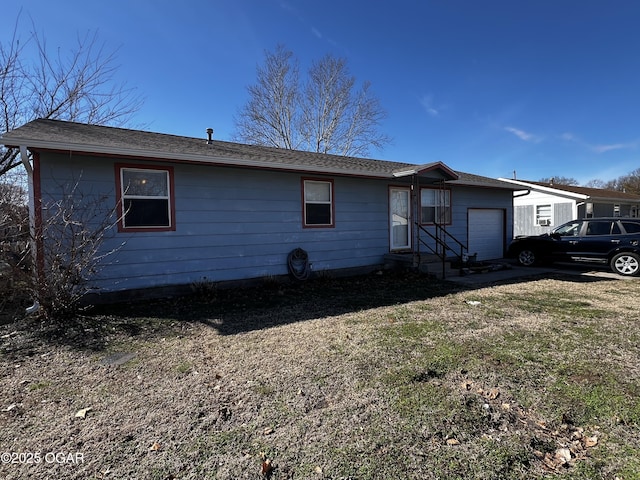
x=543, y=215
x=435, y=206
x=318, y=203
x=616, y=210
x=146, y=198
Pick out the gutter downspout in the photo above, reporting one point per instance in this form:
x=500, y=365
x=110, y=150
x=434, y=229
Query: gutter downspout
x=24, y=157
x=528, y=192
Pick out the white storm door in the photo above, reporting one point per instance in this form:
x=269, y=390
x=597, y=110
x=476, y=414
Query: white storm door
x=399, y=218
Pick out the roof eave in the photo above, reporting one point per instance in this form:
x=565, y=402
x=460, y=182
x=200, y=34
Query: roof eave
x=471, y=183
x=192, y=158
x=549, y=190
x=425, y=168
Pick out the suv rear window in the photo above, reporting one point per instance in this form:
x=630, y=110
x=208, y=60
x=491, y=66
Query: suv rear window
x=631, y=227
x=603, y=228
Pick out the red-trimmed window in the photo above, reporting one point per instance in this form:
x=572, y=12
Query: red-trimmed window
x=146, y=198
x=317, y=196
x=435, y=206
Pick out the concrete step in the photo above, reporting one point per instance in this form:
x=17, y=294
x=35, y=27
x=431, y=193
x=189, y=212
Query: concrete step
x=424, y=263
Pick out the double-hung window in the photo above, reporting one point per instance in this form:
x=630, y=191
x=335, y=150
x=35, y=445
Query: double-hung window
x=543, y=215
x=318, y=203
x=145, y=198
x=435, y=206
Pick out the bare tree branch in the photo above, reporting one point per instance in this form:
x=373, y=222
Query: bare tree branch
x=76, y=85
x=76, y=226
x=326, y=116
x=269, y=116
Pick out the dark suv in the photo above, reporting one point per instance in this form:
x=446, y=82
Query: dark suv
x=612, y=241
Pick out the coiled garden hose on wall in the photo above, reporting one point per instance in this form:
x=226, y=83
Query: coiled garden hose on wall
x=298, y=262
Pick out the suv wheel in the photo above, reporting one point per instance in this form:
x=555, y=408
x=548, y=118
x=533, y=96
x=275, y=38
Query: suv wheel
x=626, y=263
x=526, y=258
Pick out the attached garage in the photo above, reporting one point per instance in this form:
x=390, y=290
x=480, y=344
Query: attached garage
x=486, y=233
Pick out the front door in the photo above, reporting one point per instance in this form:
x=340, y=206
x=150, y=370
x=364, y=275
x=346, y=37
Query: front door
x=400, y=218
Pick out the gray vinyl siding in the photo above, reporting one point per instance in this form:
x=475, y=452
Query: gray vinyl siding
x=562, y=213
x=238, y=223
x=231, y=224
x=525, y=218
x=462, y=199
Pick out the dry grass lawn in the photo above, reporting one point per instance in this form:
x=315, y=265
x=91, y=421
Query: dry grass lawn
x=384, y=376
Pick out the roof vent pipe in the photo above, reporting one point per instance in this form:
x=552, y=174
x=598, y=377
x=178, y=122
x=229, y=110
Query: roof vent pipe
x=209, y=135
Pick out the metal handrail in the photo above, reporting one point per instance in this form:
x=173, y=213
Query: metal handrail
x=442, y=243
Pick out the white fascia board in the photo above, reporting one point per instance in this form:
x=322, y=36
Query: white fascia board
x=405, y=173
x=195, y=158
x=549, y=190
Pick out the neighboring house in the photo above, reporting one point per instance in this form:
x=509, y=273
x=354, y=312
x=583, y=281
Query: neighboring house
x=195, y=210
x=538, y=207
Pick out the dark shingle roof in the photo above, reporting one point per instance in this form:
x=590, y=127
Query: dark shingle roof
x=79, y=137
x=589, y=192
x=55, y=134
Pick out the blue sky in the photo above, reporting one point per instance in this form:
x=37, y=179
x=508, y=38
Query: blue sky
x=545, y=87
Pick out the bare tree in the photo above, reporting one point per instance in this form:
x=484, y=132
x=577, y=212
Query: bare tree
x=78, y=85
x=596, y=183
x=14, y=223
x=560, y=181
x=269, y=116
x=328, y=114
x=629, y=183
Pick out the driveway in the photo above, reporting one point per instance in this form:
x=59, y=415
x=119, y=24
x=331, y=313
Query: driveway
x=514, y=271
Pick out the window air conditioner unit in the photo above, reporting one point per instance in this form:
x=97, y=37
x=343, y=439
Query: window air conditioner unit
x=544, y=222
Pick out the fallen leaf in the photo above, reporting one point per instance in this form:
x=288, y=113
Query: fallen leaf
x=268, y=431
x=551, y=462
x=103, y=473
x=590, y=441
x=83, y=412
x=155, y=447
x=267, y=467
x=493, y=394
x=452, y=441
x=577, y=434
x=318, y=470
x=563, y=455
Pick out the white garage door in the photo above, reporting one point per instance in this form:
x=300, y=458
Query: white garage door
x=486, y=233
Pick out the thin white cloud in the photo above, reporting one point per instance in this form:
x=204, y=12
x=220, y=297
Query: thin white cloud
x=599, y=148
x=316, y=32
x=427, y=103
x=614, y=146
x=569, y=137
x=522, y=135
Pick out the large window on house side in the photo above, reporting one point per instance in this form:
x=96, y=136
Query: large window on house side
x=318, y=203
x=145, y=198
x=543, y=215
x=435, y=206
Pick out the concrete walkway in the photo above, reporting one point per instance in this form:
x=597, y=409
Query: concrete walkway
x=516, y=272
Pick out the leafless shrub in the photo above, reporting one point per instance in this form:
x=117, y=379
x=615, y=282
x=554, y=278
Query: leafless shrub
x=72, y=249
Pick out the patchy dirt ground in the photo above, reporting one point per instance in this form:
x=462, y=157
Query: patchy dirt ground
x=385, y=376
